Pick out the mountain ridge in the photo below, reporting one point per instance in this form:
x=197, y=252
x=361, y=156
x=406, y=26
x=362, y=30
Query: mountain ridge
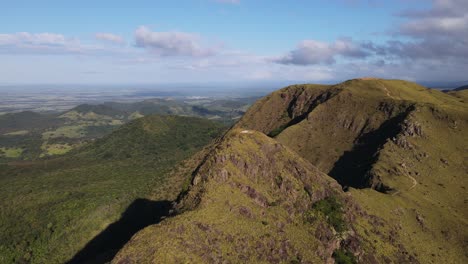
x=355, y=108
x=237, y=199
x=399, y=148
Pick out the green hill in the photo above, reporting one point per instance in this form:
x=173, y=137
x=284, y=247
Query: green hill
x=154, y=106
x=99, y=110
x=252, y=200
x=52, y=208
x=399, y=148
x=334, y=126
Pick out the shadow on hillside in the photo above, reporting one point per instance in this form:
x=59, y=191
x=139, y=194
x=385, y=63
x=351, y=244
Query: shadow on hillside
x=316, y=102
x=352, y=168
x=296, y=120
x=140, y=214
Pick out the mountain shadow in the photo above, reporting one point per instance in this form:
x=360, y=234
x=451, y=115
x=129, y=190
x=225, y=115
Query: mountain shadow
x=352, y=168
x=297, y=119
x=140, y=214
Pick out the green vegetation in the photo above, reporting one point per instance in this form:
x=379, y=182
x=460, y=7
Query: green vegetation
x=27, y=120
x=52, y=207
x=11, y=152
x=277, y=131
x=332, y=210
x=65, y=131
x=344, y=257
x=56, y=149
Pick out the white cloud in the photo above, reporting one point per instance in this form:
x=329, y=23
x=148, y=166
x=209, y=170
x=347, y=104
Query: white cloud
x=310, y=52
x=439, y=34
x=41, y=43
x=448, y=18
x=24, y=43
x=25, y=38
x=109, y=37
x=428, y=44
x=171, y=43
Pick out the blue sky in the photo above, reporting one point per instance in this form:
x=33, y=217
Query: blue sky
x=203, y=41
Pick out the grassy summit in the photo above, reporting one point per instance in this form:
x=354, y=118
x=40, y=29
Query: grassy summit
x=52, y=208
x=341, y=128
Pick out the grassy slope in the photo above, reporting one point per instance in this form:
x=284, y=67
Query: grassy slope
x=354, y=124
x=430, y=176
x=52, y=208
x=252, y=200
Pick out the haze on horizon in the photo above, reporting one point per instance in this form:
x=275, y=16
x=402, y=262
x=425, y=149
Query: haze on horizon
x=204, y=41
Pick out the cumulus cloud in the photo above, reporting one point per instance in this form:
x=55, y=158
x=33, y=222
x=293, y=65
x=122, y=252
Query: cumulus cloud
x=25, y=38
x=109, y=37
x=41, y=43
x=427, y=44
x=438, y=33
x=448, y=18
x=427, y=49
x=310, y=52
x=171, y=43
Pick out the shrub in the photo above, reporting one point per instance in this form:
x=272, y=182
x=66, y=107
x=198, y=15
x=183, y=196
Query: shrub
x=332, y=209
x=344, y=257
x=277, y=131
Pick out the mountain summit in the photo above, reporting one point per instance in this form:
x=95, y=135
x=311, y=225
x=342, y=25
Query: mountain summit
x=347, y=130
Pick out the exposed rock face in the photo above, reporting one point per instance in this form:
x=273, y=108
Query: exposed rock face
x=256, y=156
x=411, y=128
